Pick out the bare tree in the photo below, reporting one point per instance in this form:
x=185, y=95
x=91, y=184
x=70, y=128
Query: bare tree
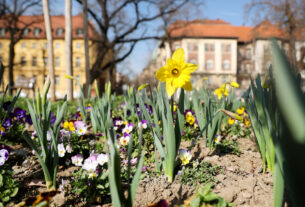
x=68, y=43
x=11, y=12
x=122, y=24
x=288, y=13
x=178, y=19
x=86, y=41
x=47, y=21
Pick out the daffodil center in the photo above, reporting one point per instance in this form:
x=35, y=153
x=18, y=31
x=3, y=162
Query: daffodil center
x=175, y=71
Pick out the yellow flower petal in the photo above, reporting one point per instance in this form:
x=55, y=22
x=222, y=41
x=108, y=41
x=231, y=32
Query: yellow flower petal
x=178, y=55
x=142, y=86
x=162, y=74
x=170, y=89
x=234, y=84
x=188, y=86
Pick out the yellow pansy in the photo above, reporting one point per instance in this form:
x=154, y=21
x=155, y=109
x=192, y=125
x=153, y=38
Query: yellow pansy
x=231, y=121
x=234, y=84
x=240, y=110
x=176, y=73
x=66, y=125
x=247, y=123
x=71, y=126
x=190, y=119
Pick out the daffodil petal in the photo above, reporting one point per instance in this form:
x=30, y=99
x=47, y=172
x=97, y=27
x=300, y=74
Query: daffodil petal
x=188, y=86
x=178, y=55
x=189, y=67
x=162, y=74
x=170, y=89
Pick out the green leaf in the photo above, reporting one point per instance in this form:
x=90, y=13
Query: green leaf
x=195, y=202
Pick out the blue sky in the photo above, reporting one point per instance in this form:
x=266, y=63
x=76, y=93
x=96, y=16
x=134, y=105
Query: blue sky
x=229, y=10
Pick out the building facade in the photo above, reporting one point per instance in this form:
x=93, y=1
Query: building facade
x=224, y=52
x=31, y=55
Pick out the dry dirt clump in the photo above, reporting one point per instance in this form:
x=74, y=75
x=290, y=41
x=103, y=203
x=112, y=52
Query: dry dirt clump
x=241, y=182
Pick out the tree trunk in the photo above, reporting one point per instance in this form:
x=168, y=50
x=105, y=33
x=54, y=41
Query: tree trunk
x=47, y=21
x=11, y=65
x=86, y=41
x=68, y=42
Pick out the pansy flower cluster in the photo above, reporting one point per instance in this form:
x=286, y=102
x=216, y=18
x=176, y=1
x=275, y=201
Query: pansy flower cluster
x=190, y=117
x=16, y=117
x=245, y=118
x=93, y=164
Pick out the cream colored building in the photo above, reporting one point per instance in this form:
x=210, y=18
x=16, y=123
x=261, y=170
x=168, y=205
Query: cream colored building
x=31, y=53
x=224, y=52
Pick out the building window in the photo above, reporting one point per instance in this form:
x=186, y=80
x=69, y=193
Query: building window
x=226, y=48
x=23, y=45
x=193, y=60
x=2, y=32
x=57, y=45
x=22, y=61
x=209, y=47
x=59, y=31
x=45, y=61
x=192, y=47
x=37, y=31
x=46, y=45
x=57, y=80
x=34, y=45
x=79, y=31
x=57, y=61
x=77, y=62
x=226, y=64
x=0, y=45
x=248, y=53
x=209, y=64
x=224, y=79
x=26, y=31
x=77, y=80
x=78, y=45
x=34, y=61
x=209, y=81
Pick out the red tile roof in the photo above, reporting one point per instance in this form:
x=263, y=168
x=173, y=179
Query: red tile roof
x=56, y=21
x=221, y=29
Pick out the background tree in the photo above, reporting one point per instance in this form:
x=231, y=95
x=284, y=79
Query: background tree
x=68, y=45
x=122, y=24
x=86, y=44
x=48, y=27
x=288, y=13
x=11, y=12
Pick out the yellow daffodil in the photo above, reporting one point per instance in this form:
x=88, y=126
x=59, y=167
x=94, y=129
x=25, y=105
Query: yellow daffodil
x=176, y=73
x=234, y=84
x=142, y=86
x=231, y=121
x=222, y=91
x=240, y=110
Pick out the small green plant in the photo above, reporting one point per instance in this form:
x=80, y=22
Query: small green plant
x=41, y=116
x=228, y=147
x=205, y=198
x=199, y=173
x=8, y=187
x=93, y=190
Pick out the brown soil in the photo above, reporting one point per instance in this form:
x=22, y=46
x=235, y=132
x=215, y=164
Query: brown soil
x=242, y=181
